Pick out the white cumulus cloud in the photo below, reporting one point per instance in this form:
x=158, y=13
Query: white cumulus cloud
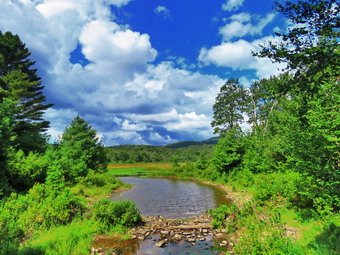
x=232, y=5
x=241, y=25
x=238, y=56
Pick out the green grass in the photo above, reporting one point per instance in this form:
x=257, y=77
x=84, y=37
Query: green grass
x=141, y=169
x=74, y=239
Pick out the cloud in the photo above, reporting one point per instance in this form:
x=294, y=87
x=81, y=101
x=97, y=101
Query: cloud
x=232, y=5
x=159, y=139
x=162, y=11
x=241, y=25
x=123, y=94
x=238, y=56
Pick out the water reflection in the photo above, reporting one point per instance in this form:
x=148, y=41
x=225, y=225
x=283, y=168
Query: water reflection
x=171, y=198
x=147, y=247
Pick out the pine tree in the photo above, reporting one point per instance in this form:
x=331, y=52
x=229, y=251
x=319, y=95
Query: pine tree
x=80, y=151
x=20, y=81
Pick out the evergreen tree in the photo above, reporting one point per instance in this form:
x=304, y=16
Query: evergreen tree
x=6, y=136
x=20, y=81
x=80, y=151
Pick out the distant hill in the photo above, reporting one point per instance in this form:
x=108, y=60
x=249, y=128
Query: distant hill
x=212, y=140
x=184, y=144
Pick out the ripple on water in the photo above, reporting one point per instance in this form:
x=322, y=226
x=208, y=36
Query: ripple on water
x=171, y=198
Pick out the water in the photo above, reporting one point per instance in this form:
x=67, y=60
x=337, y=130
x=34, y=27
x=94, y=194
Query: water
x=171, y=198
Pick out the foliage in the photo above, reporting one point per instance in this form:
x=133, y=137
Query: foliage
x=109, y=214
x=147, y=153
x=223, y=217
x=73, y=239
x=328, y=241
x=79, y=151
x=24, y=171
x=230, y=104
x=96, y=185
x=20, y=82
x=6, y=137
x=311, y=44
x=229, y=151
x=264, y=236
x=42, y=207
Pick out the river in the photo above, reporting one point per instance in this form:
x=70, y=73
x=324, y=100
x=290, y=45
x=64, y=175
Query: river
x=171, y=199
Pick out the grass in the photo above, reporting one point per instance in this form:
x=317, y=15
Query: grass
x=141, y=169
x=73, y=238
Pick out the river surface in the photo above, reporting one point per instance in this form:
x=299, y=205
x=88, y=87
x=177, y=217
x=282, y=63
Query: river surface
x=171, y=198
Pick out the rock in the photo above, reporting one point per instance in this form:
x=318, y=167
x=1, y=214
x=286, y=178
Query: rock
x=141, y=238
x=224, y=242
x=191, y=239
x=164, y=232
x=161, y=243
x=133, y=236
x=178, y=236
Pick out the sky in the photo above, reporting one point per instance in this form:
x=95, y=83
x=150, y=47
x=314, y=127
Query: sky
x=142, y=71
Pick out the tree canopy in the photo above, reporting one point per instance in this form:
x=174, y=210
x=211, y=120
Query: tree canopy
x=20, y=82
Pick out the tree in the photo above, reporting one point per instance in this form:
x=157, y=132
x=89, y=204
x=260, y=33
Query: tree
x=230, y=105
x=80, y=151
x=229, y=151
x=20, y=81
x=311, y=44
x=306, y=120
x=6, y=137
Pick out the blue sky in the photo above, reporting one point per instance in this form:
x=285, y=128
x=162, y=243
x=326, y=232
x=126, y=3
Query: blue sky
x=142, y=71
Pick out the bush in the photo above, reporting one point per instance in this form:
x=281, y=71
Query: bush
x=224, y=217
x=42, y=208
x=110, y=214
x=274, y=185
x=100, y=180
x=24, y=171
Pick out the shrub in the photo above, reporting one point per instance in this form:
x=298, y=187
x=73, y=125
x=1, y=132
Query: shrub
x=274, y=185
x=42, y=208
x=24, y=171
x=109, y=214
x=100, y=180
x=224, y=217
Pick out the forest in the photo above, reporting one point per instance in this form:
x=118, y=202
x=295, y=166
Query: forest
x=285, y=166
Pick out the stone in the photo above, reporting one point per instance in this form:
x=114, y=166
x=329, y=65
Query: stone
x=164, y=232
x=161, y=243
x=191, y=239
